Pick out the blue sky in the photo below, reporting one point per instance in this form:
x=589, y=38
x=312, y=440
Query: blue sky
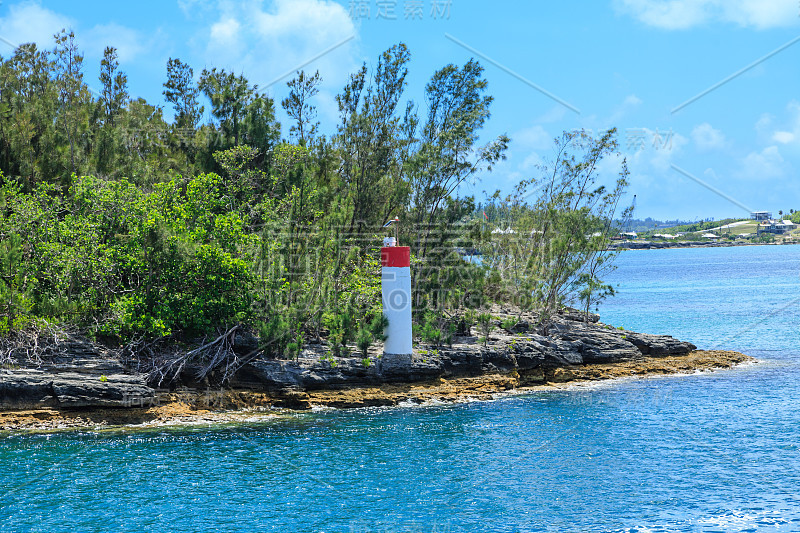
x=622, y=63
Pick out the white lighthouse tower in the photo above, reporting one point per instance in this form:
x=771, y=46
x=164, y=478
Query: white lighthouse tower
x=396, y=295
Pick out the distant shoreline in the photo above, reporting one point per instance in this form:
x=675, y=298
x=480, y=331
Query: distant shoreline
x=658, y=245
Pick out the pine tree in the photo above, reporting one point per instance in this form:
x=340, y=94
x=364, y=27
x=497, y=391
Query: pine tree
x=181, y=91
x=69, y=79
x=115, y=85
x=301, y=89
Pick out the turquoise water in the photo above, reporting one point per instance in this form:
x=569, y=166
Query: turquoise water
x=706, y=452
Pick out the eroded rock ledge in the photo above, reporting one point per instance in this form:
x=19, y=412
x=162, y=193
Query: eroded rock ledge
x=570, y=343
x=93, y=386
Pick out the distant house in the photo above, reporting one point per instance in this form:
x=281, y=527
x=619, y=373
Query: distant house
x=664, y=236
x=777, y=227
x=629, y=234
x=709, y=236
x=761, y=215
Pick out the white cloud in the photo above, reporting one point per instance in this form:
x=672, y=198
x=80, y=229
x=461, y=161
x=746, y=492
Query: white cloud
x=609, y=167
x=195, y=8
x=651, y=175
x=598, y=125
x=783, y=137
x=28, y=22
x=533, y=138
x=710, y=175
x=789, y=132
x=225, y=32
x=531, y=162
x=765, y=128
x=766, y=164
x=327, y=107
x=524, y=155
x=129, y=43
x=669, y=15
x=268, y=39
x=554, y=114
x=761, y=14
x=707, y=138
x=682, y=14
x=666, y=146
x=630, y=103
x=632, y=100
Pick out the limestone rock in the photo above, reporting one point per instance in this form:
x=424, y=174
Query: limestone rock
x=31, y=389
x=659, y=345
x=245, y=343
x=84, y=375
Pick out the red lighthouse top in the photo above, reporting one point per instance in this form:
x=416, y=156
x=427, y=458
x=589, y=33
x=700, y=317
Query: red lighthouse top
x=396, y=256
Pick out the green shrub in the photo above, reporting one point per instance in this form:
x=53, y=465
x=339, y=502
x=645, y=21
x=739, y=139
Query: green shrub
x=431, y=334
x=364, y=340
x=485, y=326
x=294, y=347
x=342, y=328
x=328, y=357
x=508, y=324
x=378, y=327
x=275, y=336
x=373, y=331
x=436, y=329
x=452, y=328
x=470, y=319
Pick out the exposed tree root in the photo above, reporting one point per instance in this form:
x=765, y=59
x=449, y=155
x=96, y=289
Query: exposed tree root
x=164, y=363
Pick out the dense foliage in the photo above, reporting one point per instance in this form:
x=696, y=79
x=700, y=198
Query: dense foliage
x=133, y=227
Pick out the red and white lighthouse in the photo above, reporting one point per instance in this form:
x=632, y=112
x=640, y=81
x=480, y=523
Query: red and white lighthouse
x=396, y=295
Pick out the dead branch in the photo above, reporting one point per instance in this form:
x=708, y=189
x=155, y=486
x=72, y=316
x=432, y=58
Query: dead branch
x=35, y=345
x=164, y=362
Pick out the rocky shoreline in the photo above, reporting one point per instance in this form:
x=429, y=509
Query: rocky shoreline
x=90, y=388
x=660, y=245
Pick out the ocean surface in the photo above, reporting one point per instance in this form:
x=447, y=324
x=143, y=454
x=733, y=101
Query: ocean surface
x=717, y=451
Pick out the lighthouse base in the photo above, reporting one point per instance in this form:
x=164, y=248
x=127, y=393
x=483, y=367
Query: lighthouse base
x=396, y=292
